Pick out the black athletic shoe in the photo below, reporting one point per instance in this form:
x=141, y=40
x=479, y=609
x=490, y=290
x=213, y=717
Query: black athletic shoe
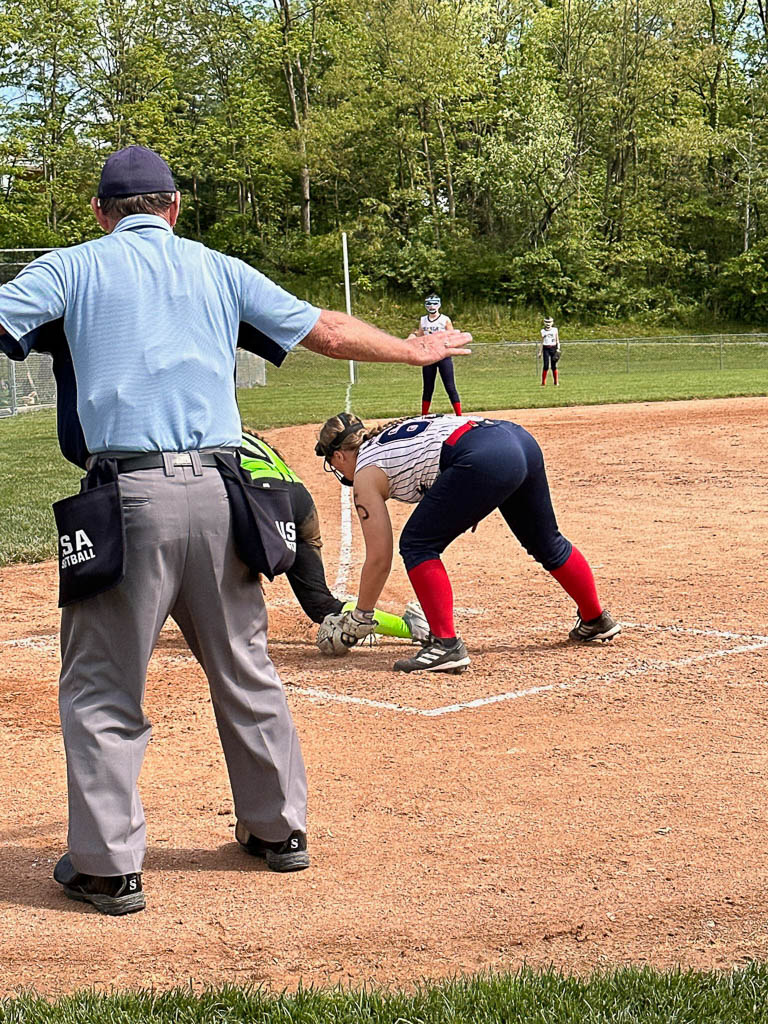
x=435, y=657
x=288, y=855
x=114, y=894
x=604, y=627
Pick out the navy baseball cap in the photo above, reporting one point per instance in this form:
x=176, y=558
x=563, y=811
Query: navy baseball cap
x=135, y=171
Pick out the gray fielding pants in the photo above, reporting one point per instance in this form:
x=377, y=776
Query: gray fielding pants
x=180, y=561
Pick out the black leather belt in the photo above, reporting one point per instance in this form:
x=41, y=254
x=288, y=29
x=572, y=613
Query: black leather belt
x=156, y=460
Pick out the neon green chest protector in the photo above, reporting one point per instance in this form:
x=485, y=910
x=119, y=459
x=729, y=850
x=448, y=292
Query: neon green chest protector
x=262, y=461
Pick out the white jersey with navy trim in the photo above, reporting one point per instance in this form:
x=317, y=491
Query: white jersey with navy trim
x=409, y=454
x=432, y=326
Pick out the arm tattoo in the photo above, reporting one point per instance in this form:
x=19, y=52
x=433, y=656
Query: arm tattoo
x=362, y=511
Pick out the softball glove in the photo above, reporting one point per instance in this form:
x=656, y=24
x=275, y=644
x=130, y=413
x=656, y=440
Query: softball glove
x=337, y=633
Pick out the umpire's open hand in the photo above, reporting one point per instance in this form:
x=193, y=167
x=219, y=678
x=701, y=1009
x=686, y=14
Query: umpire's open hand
x=430, y=348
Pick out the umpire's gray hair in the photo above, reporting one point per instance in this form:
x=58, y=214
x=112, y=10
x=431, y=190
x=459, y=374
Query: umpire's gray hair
x=156, y=203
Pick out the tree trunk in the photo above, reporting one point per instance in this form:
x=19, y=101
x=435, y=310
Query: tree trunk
x=196, y=202
x=748, y=197
x=298, y=116
x=762, y=11
x=306, y=207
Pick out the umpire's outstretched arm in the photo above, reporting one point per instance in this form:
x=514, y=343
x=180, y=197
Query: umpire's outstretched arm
x=345, y=337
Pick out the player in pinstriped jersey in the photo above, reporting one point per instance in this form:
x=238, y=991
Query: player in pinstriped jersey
x=429, y=324
x=456, y=470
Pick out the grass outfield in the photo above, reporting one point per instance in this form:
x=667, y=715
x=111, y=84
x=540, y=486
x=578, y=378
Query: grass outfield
x=625, y=996
x=309, y=388
x=32, y=475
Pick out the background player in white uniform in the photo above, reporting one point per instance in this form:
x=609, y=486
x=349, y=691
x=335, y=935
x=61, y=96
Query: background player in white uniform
x=550, y=349
x=456, y=471
x=431, y=323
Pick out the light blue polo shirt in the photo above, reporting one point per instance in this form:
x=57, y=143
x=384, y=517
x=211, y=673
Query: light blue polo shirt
x=152, y=322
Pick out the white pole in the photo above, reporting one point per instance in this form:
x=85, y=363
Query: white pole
x=347, y=295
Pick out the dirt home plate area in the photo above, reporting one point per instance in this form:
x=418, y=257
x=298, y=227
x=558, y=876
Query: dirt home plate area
x=556, y=804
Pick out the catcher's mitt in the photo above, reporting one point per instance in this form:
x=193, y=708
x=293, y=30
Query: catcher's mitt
x=329, y=637
x=337, y=633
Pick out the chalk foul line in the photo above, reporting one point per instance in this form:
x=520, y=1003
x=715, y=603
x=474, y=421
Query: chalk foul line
x=345, y=541
x=604, y=679
x=752, y=643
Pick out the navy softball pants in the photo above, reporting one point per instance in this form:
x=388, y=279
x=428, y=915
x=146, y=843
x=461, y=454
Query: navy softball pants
x=429, y=375
x=549, y=357
x=496, y=465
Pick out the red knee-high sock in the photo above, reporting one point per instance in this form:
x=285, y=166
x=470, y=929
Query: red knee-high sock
x=554, y=374
x=543, y=376
x=456, y=408
x=425, y=408
x=576, y=579
x=433, y=589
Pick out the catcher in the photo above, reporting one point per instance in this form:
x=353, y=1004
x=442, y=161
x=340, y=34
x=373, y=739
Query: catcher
x=307, y=575
x=456, y=470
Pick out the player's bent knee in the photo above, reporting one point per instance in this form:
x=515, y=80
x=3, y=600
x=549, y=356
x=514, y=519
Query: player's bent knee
x=414, y=553
x=553, y=555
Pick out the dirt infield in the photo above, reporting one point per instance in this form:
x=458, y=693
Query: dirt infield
x=554, y=805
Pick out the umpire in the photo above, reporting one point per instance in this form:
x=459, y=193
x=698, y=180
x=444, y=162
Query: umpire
x=151, y=323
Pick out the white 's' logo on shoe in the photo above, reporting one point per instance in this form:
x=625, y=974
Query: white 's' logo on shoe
x=132, y=884
x=294, y=843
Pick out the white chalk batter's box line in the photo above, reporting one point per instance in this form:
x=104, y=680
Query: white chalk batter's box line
x=751, y=642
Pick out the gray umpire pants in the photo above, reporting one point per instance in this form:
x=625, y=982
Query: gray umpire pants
x=180, y=561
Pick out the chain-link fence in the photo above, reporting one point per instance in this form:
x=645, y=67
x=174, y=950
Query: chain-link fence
x=14, y=260
x=716, y=352
x=27, y=385
x=251, y=370
x=30, y=385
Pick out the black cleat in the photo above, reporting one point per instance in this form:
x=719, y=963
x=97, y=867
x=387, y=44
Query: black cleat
x=435, y=657
x=288, y=855
x=604, y=627
x=113, y=895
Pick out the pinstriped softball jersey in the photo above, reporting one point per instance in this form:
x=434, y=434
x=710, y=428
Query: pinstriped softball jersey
x=409, y=454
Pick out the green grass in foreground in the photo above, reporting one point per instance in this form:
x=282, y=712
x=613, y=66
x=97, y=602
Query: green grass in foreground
x=624, y=996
